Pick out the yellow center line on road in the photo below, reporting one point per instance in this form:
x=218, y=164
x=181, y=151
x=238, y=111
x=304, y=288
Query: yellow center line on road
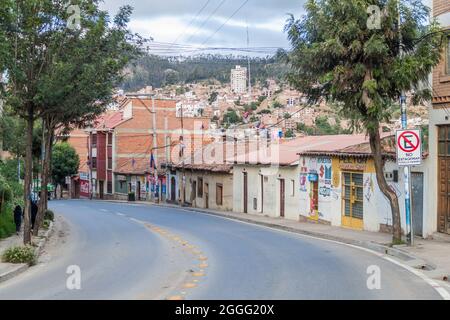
x=198, y=254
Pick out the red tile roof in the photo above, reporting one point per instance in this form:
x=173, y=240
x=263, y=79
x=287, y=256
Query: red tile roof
x=109, y=120
x=287, y=153
x=209, y=158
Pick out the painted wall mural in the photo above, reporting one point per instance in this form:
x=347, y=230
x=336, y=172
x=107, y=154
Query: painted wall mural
x=325, y=176
x=303, y=182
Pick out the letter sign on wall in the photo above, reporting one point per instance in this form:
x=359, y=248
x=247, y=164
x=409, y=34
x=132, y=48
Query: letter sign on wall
x=409, y=148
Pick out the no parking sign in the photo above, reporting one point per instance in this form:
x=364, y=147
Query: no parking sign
x=409, y=148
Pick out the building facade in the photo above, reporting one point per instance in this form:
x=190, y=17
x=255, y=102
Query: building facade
x=151, y=135
x=239, y=80
x=438, y=163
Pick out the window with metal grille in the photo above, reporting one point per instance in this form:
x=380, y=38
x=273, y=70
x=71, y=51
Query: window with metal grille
x=109, y=188
x=444, y=141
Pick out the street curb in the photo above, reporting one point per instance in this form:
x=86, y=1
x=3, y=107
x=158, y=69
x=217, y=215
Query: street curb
x=23, y=266
x=414, y=261
x=364, y=244
x=44, y=240
x=15, y=272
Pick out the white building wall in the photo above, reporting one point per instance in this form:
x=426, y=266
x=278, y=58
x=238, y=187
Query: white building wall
x=271, y=204
x=239, y=80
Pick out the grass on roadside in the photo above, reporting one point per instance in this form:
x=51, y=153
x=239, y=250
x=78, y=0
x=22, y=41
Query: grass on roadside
x=20, y=255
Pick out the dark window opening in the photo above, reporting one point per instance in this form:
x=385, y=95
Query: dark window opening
x=200, y=188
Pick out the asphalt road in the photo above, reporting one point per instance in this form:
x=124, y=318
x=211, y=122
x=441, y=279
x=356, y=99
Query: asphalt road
x=148, y=252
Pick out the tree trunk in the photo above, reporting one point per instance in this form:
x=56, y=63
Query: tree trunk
x=45, y=176
x=375, y=144
x=28, y=177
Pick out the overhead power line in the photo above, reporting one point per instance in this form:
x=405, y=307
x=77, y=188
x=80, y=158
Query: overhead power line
x=225, y=23
x=207, y=20
x=191, y=22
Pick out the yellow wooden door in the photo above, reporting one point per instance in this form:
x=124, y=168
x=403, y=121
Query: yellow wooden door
x=353, y=200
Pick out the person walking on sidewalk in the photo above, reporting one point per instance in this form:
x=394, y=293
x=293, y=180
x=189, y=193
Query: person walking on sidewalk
x=18, y=214
x=34, y=211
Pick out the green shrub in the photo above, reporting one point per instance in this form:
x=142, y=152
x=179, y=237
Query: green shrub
x=20, y=255
x=46, y=224
x=49, y=215
x=7, y=226
x=6, y=193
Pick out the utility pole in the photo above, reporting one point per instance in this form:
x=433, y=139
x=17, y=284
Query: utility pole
x=155, y=148
x=406, y=169
x=182, y=144
x=249, y=66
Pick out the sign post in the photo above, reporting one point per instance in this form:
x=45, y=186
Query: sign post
x=409, y=153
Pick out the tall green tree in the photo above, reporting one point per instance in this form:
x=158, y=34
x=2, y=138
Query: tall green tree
x=65, y=162
x=362, y=67
x=87, y=70
x=36, y=36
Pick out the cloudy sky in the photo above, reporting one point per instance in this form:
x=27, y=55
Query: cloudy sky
x=197, y=23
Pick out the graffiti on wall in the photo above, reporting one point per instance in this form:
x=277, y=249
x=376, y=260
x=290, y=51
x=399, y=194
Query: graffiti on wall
x=303, y=182
x=368, y=188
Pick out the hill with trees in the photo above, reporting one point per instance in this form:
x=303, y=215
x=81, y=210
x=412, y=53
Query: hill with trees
x=159, y=71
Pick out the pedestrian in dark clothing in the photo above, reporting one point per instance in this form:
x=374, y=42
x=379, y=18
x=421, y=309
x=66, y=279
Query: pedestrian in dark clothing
x=18, y=218
x=34, y=211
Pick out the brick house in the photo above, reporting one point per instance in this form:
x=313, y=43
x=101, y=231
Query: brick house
x=116, y=151
x=100, y=155
x=439, y=134
x=78, y=139
x=138, y=143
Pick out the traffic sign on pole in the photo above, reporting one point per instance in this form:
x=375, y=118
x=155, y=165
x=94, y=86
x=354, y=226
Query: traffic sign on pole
x=409, y=148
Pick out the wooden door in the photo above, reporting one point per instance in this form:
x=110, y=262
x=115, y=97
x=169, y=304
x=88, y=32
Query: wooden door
x=138, y=191
x=206, y=195
x=193, y=191
x=353, y=200
x=101, y=186
x=282, y=197
x=444, y=180
x=262, y=194
x=173, y=191
x=314, y=206
x=444, y=195
x=245, y=192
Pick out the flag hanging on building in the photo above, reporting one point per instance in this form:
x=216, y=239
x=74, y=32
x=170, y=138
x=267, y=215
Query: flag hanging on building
x=152, y=162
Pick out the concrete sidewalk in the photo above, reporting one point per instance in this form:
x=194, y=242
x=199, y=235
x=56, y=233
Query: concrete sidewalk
x=432, y=256
x=10, y=270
